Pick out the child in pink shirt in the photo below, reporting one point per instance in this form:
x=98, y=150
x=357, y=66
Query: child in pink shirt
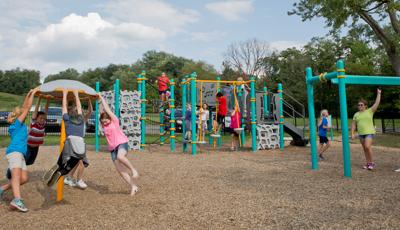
x=118, y=146
x=235, y=123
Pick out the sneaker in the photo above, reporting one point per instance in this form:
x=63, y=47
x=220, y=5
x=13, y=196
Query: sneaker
x=397, y=170
x=19, y=205
x=49, y=174
x=70, y=181
x=365, y=166
x=53, y=180
x=321, y=157
x=81, y=184
x=8, y=174
x=371, y=166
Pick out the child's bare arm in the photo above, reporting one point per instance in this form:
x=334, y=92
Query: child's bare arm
x=46, y=107
x=34, y=114
x=77, y=102
x=27, y=104
x=90, y=110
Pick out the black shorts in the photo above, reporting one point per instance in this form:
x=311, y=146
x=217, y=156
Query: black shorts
x=220, y=119
x=323, y=140
x=31, y=155
x=232, y=131
x=161, y=92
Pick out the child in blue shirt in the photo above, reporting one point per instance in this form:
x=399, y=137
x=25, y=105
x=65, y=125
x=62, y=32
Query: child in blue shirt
x=323, y=127
x=17, y=150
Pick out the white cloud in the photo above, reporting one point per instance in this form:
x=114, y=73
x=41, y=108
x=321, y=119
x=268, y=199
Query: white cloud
x=82, y=42
x=282, y=45
x=79, y=37
x=231, y=10
x=156, y=13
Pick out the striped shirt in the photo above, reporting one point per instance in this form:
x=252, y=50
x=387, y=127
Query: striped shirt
x=36, y=133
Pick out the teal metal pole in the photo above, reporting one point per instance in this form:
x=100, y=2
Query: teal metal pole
x=343, y=119
x=172, y=116
x=139, y=84
x=253, y=114
x=281, y=118
x=193, y=110
x=116, y=95
x=219, y=142
x=311, y=118
x=210, y=126
x=142, y=87
x=162, y=125
x=265, y=102
x=97, y=144
x=369, y=80
x=242, y=134
x=184, y=97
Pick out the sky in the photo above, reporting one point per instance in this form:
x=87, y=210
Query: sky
x=53, y=35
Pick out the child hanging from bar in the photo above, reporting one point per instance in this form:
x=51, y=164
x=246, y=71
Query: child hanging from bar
x=234, y=127
x=74, y=146
x=118, y=146
x=17, y=150
x=78, y=181
x=36, y=133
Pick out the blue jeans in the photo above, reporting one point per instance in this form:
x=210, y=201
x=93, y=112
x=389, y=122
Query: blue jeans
x=114, y=152
x=363, y=137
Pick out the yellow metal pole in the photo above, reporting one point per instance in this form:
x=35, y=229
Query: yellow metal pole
x=60, y=183
x=224, y=81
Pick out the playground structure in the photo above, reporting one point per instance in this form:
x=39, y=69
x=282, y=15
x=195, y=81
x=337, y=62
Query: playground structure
x=268, y=109
x=339, y=78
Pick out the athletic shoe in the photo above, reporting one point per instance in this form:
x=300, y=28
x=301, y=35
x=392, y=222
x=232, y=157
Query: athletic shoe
x=321, y=157
x=19, y=205
x=70, y=181
x=365, y=166
x=49, y=174
x=8, y=174
x=397, y=170
x=53, y=180
x=81, y=184
x=371, y=166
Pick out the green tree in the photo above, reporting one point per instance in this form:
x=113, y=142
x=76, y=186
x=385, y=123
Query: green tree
x=381, y=16
x=17, y=81
x=70, y=74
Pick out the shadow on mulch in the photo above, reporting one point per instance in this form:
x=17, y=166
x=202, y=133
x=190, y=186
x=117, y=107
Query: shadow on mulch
x=104, y=189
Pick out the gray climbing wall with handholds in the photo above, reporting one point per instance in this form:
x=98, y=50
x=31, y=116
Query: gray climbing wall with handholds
x=129, y=114
x=267, y=136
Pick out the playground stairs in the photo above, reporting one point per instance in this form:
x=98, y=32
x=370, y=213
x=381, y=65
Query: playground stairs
x=295, y=120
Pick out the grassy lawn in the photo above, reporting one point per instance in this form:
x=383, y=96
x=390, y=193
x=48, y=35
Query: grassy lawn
x=9, y=101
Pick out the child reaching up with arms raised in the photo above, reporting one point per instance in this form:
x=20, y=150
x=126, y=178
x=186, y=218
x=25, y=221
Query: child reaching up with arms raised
x=118, y=146
x=17, y=150
x=235, y=124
